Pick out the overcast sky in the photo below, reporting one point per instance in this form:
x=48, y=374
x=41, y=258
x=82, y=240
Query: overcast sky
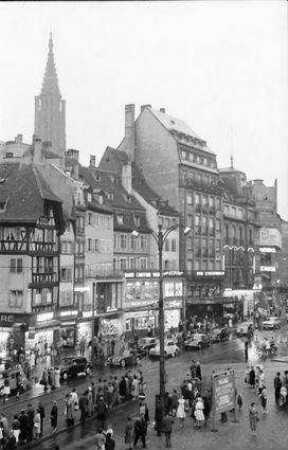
x=220, y=66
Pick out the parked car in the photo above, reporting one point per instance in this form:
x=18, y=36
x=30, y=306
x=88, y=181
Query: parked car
x=197, y=341
x=132, y=359
x=74, y=367
x=170, y=349
x=143, y=345
x=242, y=328
x=271, y=323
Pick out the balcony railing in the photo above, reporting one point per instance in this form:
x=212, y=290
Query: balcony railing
x=48, y=277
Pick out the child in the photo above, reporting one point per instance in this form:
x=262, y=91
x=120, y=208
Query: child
x=239, y=402
x=253, y=417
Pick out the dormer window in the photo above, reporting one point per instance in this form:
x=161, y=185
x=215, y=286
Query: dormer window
x=137, y=221
x=100, y=199
x=128, y=198
x=2, y=206
x=120, y=219
x=97, y=177
x=89, y=197
x=110, y=196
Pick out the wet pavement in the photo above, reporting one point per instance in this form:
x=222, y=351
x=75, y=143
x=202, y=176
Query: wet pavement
x=271, y=430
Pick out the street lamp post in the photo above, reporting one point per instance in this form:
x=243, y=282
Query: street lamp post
x=160, y=238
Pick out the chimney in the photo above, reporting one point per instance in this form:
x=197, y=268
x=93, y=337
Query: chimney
x=145, y=106
x=37, y=158
x=73, y=153
x=127, y=177
x=92, y=161
x=19, y=139
x=162, y=110
x=130, y=131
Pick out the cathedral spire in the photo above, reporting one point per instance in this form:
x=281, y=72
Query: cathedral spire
x=50, y=82
x=50, y=109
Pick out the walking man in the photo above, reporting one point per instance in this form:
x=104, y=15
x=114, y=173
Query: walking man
x=167, y=429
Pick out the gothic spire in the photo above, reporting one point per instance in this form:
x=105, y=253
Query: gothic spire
x=50, y=82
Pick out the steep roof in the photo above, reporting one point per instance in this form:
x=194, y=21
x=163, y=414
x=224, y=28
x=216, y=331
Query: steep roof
x=24, y=191
x=110, y=183
x=180, y=131
x=173, y=124
x=113, y=160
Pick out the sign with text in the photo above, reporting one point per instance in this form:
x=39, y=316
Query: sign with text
x=223, y=385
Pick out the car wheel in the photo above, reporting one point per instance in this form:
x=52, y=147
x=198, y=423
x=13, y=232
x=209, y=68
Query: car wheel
x=88, y=371
x=65, y=376
x=123, y=364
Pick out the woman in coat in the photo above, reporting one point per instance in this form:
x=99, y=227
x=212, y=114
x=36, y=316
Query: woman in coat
x=129, y=433
x=54, y=416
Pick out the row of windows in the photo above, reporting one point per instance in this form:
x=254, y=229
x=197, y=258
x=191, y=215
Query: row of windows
x=136, y=219
x=208, y=264
x=130, y=263
x=197, y=159
x=100, y=220
x=129, y=242
x=99, y=245
x=167, y=222
x=203, y=201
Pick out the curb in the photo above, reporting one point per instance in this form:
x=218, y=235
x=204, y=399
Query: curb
x=35, y=443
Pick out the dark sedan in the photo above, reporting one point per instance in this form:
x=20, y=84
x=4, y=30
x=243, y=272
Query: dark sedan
x=73, y=368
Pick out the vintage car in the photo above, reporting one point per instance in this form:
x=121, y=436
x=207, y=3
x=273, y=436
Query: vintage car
x=73, y=368
x=171, y=349
x=271, y=323
x=197, y=341
x=128, y=359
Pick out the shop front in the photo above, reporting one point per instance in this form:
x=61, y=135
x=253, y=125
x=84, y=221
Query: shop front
x=205, y=294
x=12, y=329
x=172, y=314
x=68, y=319
x=141, y=301
x=140, y=323
x=44, y=333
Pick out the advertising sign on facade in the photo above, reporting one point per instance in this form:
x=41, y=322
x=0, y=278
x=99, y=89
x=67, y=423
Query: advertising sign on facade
x=270, y=237
x=223, y=385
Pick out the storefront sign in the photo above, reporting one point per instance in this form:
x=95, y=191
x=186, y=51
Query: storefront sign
x=210, y=273
x=86, y=314
x=45, y=317
x=6, y=320
x=68, y=313
x=267, y=269
x=141, y=304
x=223, y=385
x=270, y=237
x=267, y=250
x=169, y=273
x=136, y=314
x=171, y=304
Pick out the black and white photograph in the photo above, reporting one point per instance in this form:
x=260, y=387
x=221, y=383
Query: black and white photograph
x=144, y=225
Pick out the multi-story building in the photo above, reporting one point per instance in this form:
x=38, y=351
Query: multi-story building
x=241, y=230
x=142, y=286
x=31, y=221
x=181, y=168
x=270, y=239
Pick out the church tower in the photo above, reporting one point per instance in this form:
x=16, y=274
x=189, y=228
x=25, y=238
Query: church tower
x=50, y=115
